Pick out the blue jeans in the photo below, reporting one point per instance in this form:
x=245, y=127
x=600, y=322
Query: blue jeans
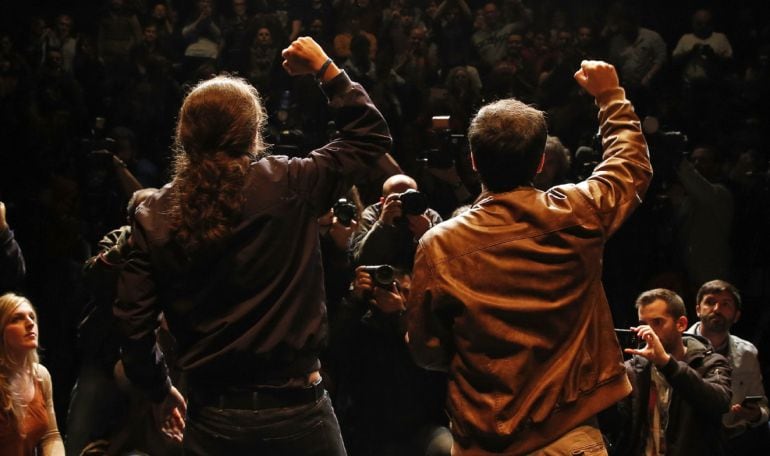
x=306, y=429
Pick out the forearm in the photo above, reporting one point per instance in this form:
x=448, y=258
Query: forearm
x=709, y=393
x=137, y=316
x=126, y=179
x=652, y=72
x=296, y=27
x=145, y=366
x=189, y=30
x=621, y=179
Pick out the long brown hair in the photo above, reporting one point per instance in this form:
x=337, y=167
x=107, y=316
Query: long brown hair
x=218, y=134
x=11, y=403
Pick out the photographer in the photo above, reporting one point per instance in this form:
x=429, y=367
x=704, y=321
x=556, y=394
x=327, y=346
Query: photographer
x=702, y=59
x=681, y=386
x=113, y=170
x=336, y=227
x=703, y=214
x=702, y=53
x=390, y=229
x=387, y=404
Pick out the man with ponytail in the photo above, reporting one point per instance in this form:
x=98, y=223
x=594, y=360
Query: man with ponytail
x=229, y=252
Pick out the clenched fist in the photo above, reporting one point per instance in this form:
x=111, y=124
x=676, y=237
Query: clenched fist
x=597, y=77
x=305, y=56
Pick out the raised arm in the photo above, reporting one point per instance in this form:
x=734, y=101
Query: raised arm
x=364, y=137
x=619, y=182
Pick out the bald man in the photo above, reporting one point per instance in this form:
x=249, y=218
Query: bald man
x=386, y=235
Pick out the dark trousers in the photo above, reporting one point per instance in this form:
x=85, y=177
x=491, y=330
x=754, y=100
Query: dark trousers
x=306, y=429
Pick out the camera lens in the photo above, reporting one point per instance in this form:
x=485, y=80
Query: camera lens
x=413, y=202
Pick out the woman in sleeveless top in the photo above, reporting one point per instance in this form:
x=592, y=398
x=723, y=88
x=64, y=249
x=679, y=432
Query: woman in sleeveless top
x=27, y=420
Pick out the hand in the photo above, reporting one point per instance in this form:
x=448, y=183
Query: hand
x=389, y=301
x=654, y=350
x=418, y=224
x=341, y=234
x=3, y=222
x=305, y=56
x=391, y=209
x=170, y=414
x=362, y=284
x=750, y=412
x=205, y=14
x=597, y=77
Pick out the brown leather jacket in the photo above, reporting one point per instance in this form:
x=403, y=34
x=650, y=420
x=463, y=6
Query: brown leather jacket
x=508, y=298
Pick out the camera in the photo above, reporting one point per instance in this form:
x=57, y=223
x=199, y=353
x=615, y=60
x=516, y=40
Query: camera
x=382, y=274
x=628, y=339
x=450, y=145
x=345, y=211
x=413, y=202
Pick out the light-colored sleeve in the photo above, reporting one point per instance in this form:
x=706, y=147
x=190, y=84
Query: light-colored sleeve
x=51, y=443
x=683, y=46
x=753, y=385
x=723, y=47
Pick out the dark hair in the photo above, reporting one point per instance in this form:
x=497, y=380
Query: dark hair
x=218, y=134
x=674, y=302
x=718, y=286
x=507, y=139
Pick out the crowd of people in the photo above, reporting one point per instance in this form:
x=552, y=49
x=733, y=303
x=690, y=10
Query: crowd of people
x=91, y=101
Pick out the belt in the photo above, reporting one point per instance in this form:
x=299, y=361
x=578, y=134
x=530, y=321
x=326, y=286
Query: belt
x=257, y=399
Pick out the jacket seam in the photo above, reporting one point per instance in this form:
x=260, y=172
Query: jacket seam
x=448, y=258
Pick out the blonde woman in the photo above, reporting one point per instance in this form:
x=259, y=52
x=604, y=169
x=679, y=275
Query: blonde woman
x=27, y=420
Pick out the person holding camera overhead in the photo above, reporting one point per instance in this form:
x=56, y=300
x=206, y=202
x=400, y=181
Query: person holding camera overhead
x=390, y=229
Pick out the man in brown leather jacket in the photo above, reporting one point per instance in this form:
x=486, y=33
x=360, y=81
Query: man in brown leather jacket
x=507, y=297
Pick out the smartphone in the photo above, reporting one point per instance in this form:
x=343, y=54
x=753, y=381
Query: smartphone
x=751, y=400
x=628, y=339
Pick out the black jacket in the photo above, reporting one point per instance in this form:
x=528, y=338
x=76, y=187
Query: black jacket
x=254, y=313
x=700, y=395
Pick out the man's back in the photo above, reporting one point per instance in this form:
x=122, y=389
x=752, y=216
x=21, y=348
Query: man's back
x=508, y=298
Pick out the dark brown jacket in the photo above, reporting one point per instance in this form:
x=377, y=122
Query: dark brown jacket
x=508, y=298
x=253, y=312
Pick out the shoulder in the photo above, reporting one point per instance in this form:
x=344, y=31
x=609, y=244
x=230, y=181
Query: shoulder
x=42, y=374
x=741, y=347
x=694, y=329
